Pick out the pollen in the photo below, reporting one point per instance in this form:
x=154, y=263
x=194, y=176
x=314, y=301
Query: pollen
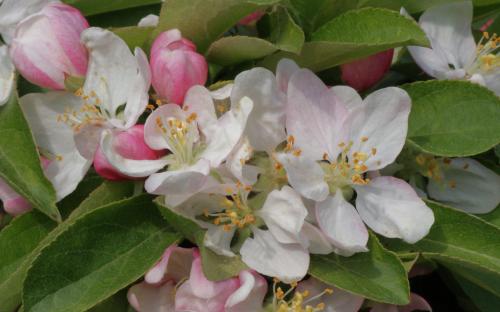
x=364, y=139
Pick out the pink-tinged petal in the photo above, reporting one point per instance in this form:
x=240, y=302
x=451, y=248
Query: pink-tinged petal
x=417, y=303
x=305, y=175
x=284, y=71
x=317, y=241
x=341, y=223
x=348, y=96
x=219, y=240
x=384, y=307
x=182, y=181
x=365, y=73
x=315, y=116
x=379, y=126
x=338, y=301
x=264, y=254
x=236, y=163
x=7, y=75
x=47, y=48
x=176, y=66
x=175, y=264
x=13, y=203
x=466, y=185
x=250, y=295
x=199, y=100
x=284, y=213
x=251, y=18
x=266, y=124
x=124, y=155
x=150, y=20
x=148, y=298
x=389, y=206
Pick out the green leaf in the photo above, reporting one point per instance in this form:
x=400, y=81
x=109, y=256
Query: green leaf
x=135, y=36
x=91, y=7
x=123, y=18
x=236, y=49
x=102, y=252
x=27, y=235
x=415, y=6
x=204, y=21
x=285, y=33
x=19, y=162
x=482, y=289
x=215, y=267
x=353, y=35
x=377, y=274
x=17, y=241
x=492, y=217
x=458, y=235
x=116, y=303
x=453, y=118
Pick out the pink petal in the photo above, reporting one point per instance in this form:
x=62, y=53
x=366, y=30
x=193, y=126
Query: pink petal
x=364, y=73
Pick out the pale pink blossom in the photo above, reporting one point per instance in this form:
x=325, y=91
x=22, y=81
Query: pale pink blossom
x=366, y=72
x=251, y=18
x=176, y=66
x=46, y=47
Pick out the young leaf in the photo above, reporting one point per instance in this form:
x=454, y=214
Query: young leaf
x=92, y=7
x=236, y=49
x=204, y=21
x=353, y=35
x=453, y=118
x=135, y=36
x=102, y=252
x=377, y=274
x=20, y=163
x=285, y=33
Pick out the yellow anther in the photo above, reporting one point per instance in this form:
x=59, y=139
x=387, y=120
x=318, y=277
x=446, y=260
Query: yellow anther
x=59, y=157
x=227, y=227
x=192, y=117
x=150, y=107
x=364, y=139
x=79, y=92
x=297, y=152
x=420, y=159
x=217, y=221
x=306, y=293
x=320, y=306
x=294, y=284
x=374, y=151
x=486, y=35
x=341, y=144
x=205, y=212
x=278, y=166
x=229, y=190
x=158, y=102
x=325, y=156
x=328, y=291
x=280, y=294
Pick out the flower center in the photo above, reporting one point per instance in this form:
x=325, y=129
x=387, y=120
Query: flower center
x=235, y=212
x=432, y=168
x=181, y=136
x=299, y=302
x=487, y=57
x=90, y=113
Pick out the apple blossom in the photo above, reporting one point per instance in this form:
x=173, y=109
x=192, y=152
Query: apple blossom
x=417, y=303
x=365, y=73
x=7, y=74
x=150, y=20
x=176, y=66
x=46, y=47
x=251, y=18
x=335, y=138
x=454, y=54
x=13, y=203
x=177, y=283
x=68, y=127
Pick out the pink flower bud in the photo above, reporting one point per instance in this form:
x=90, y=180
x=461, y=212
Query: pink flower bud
x=176, y=66
x=46, y=47
x=251, y=18
x=129, y=144
x=364, y=73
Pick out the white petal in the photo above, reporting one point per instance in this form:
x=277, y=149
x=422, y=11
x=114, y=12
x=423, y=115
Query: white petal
x=219, y=240
x=432, y=62
x=250, y=296
x=390, y=207
x=7, y=74
x=13, y=11
x=266, y=124
x=348, y=96
x=182, y=181
x=467, y=185
x=381, y=123
x=284, y=71
x=147, y=298
x=42, y=111
x=492, y=80
x=87, y=139
x=284, y=214
x=66, y=172
x=150, y=20
x=305, y=175
x=129, y=167
x=115, y=75
x=263, y=253
x=315, y=116
x=317, y=241
x=341, y=223
x=448, y=27
x=235, y=163
x=222, y=93
x=199, y=100
x=138, y=96
x=227, y=132
x=338, y=301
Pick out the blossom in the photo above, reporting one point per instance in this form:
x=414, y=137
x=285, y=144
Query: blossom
x=68, y=127
x=462, y=183
x=46, y=47
x=177, y=283
x=335, y=138
x=364, y=73
x=176, y=66
x=453, y=53
x=7, y=74
x=417, y=303
x=150, y=20
x=13, y=203
x=251, y=18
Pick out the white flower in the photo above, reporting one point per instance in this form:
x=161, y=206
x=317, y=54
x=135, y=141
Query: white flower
x=68, y=127
x=465, y=184
x=335, y=139
x=454, y=53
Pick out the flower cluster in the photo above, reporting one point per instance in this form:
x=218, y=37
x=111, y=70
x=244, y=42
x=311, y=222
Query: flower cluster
x=273, y=167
